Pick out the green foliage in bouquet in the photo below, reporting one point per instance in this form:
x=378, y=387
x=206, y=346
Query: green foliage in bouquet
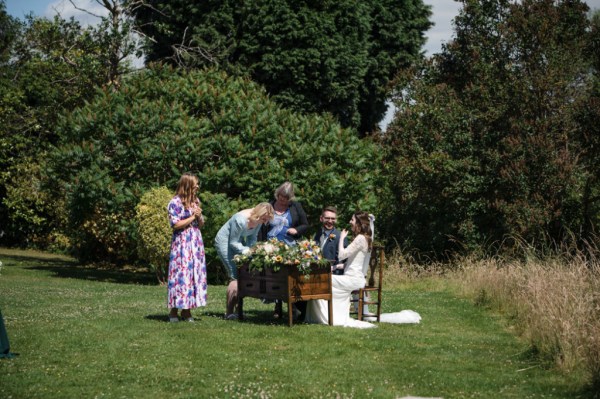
x=275, y=254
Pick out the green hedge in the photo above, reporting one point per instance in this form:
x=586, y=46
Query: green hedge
x=163, y=122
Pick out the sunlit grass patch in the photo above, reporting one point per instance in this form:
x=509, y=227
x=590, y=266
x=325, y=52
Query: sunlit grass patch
x=85, y=337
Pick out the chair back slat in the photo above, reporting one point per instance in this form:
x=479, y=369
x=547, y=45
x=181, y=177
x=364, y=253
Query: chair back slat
x=376, y=265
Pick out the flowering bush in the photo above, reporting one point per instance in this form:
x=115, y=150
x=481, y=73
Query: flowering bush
x=274, y=254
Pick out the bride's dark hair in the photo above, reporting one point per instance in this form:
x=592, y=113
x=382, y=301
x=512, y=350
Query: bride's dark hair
x=363, y=225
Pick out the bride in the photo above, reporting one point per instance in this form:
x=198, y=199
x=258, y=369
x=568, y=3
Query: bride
x=352, y=279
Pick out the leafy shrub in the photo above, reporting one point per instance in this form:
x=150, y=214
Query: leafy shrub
x=153, y=245
x=162, y=123
x=59, y=242
x=33, y=215
x=36, y=87
x=216, y=209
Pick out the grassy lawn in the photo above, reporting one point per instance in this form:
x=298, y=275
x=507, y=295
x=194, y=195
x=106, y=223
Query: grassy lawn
x=84, y=332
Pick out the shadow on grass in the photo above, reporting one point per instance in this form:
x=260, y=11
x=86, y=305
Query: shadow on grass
x=589, y=392
x=252, y=317
x=265, y=317
x=64, y=267
x=95, y=273
x=164, y=318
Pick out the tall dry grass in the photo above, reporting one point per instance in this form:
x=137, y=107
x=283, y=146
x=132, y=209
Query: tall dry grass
x=554, y=303
x=402, y=268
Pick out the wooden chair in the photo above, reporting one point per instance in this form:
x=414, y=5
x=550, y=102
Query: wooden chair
x=374, y=284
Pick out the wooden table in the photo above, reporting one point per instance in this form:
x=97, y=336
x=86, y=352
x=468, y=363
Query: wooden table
x=286, y=284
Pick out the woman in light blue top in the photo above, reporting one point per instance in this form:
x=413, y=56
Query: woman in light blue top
x=236, y=237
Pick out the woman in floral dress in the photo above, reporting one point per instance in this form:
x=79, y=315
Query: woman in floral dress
x=187, y=266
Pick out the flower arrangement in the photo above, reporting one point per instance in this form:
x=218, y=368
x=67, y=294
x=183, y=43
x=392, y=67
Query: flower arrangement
x=275, y=254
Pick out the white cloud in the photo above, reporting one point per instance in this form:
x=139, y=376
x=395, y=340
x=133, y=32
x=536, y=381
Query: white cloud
x=442, y=14
x=593, y=4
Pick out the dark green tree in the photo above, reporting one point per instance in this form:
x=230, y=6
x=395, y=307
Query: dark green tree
x=494, y=136
x=48, y=67
x=8, y=31
x=312, y=56
x=164, y=122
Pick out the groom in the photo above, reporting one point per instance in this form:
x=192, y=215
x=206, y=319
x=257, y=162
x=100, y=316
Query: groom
x=328, y=238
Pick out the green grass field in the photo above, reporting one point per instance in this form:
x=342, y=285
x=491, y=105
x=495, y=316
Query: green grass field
x=85, y=332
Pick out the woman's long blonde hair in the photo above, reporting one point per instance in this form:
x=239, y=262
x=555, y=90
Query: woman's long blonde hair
x=264, y=208
x=185, y=190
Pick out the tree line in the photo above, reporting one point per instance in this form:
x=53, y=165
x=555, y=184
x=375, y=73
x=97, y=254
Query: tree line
x=495, y=139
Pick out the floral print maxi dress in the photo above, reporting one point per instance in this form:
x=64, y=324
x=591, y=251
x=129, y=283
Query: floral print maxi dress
x=187, y=265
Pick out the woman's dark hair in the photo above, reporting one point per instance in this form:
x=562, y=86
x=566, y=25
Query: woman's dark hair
x=363, y=224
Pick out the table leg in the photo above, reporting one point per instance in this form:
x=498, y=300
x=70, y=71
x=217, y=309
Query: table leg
x=290, y=312
x=240, y=308
x=330, y=303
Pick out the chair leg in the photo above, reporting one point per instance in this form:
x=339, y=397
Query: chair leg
x=379, y=304
x=361, y=301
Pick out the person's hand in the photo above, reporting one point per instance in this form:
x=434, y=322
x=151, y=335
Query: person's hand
x=246, y=251
x=339, y=266
x=343, y=235
x=292, y=231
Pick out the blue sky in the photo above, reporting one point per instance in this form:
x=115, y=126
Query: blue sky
x=49, y=8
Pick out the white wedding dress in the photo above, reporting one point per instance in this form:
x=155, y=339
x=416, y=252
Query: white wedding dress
x=317, y=310
x=358, y=256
